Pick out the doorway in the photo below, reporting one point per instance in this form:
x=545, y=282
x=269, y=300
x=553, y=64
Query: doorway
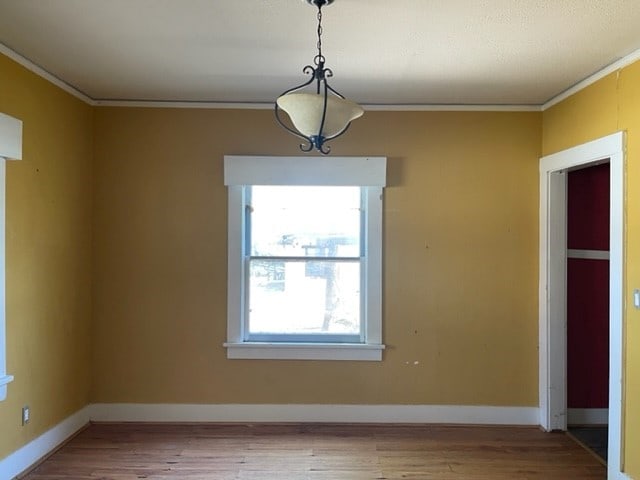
x=588, y=306
x=553, y=286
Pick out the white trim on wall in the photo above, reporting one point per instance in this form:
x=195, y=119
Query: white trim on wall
x=10, y=148
x=552, y=271
x=587, y=416
x=303, y=351
x=591, y=79
x=552, y=286
x=371, y=107
x=281, y=170
x=588, y=254
x=29, y=65
x=41, y=72
x=368, y=173
x=27, y=456
x=10, y=137
x=436, y=414
x=4, y=377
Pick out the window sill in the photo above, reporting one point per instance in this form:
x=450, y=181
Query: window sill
x=3, y=385
x=304, y=351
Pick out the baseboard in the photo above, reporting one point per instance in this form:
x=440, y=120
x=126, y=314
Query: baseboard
x=613, y=475
x=444, y=414
x=587, y=416
x=27, y=456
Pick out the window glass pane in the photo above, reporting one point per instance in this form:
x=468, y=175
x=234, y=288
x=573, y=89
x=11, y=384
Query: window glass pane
x=304, y=297
x=305, y=221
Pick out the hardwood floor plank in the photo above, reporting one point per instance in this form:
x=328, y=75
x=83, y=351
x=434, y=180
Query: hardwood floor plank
x=317, y=452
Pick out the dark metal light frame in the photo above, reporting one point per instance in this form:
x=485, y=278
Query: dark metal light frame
x=318, y=74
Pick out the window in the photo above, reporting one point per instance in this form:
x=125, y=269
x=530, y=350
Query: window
x=305, y=255
x=10, y=147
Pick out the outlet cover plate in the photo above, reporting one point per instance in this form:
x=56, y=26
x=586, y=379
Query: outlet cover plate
x=25, y=414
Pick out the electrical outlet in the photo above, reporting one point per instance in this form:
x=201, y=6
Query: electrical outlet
x=25, y=415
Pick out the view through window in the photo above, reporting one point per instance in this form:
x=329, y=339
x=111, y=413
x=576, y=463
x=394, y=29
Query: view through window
x=304, y=246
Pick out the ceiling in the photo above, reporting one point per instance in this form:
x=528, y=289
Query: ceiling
x=397, y=52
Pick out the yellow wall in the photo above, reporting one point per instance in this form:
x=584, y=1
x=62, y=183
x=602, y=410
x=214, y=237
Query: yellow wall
x=460, y=266
x=460, y=263
x=460, y=255
x=48, y=256
x=610, y=105
x=116, y=264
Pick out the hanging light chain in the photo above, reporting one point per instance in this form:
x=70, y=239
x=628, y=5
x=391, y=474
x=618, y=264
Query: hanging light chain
x=319, y=58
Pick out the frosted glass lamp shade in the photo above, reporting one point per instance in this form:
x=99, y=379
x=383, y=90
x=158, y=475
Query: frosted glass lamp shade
x=305, y=111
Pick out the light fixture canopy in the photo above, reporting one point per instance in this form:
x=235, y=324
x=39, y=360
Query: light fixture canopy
x=321, y=115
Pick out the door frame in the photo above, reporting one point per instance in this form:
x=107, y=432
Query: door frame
x=553, y=290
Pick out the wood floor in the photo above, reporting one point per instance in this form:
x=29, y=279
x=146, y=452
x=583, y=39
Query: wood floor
x=317, y=452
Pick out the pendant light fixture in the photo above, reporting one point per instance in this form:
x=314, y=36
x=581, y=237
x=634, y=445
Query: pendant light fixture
x=322, y=113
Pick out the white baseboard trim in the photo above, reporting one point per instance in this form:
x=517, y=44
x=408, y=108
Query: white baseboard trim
x=27, y=456
x=446, y=414
x=617, y=476
x=587, y=416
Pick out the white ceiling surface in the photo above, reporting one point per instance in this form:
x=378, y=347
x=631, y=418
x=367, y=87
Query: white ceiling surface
x=416, y=52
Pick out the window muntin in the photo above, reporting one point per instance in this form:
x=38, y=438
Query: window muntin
x=304, y=260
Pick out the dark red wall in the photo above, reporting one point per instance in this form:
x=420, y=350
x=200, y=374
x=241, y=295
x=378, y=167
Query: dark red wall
x=588, y=289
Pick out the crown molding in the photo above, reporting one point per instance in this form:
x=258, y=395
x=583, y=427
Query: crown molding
x=29, y=65
x=182, y=104
x=367, y=107
x=442, y=107
x=590, y=80
x=38, y=70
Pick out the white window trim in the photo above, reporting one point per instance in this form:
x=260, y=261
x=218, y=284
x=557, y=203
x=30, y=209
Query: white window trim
x=367, y=172
x=10, y=148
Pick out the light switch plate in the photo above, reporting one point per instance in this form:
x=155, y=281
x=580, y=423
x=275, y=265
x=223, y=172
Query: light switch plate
x=636, y=298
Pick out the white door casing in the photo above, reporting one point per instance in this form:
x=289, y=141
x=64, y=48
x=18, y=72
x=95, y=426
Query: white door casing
x=552, y=286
